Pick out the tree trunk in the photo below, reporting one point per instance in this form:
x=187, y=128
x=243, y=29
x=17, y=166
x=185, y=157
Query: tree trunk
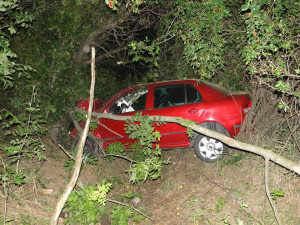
x=68, y=189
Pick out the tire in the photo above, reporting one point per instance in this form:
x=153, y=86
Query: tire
x=58, y=135
x=90, y=147
x=209, y=149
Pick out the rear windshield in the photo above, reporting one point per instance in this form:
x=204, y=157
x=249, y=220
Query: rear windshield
x=217, y=87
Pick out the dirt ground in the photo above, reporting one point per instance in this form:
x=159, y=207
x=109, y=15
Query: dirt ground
x=189, y=192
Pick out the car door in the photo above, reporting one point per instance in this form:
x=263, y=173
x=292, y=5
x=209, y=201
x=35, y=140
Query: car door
x=127, y=105
x=176, y=100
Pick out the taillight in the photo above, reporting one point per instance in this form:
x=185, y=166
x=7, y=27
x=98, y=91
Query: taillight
x=247, y=109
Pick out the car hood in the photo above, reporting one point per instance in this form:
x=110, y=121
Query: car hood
x=84, y=104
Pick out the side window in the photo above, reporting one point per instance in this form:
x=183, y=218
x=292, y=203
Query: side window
x=165, y=96
x=192, y=94
x=173, y=95
x=132, y=101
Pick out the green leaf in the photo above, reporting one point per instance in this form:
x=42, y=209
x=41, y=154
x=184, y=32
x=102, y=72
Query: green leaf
x=245, y=6
x=129, y=194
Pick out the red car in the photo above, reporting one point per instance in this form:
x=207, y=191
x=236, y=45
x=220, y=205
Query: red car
x=207, y=104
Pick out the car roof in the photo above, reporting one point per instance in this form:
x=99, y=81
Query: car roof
x=212, y=92
x=170, y=82
x=194, y=82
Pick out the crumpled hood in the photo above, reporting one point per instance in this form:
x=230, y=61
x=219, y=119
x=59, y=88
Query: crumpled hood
x=84, y=104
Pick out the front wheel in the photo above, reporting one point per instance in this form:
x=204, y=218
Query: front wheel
x=208, y=149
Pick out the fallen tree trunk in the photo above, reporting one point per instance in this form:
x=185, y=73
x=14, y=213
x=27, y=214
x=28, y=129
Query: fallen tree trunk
x=286, y=163
x=70, y=186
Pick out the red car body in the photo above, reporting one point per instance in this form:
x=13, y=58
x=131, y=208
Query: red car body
x=208, y=105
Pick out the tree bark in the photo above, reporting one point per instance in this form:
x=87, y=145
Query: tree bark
x=68, y=189
x=102, y=34
x=91, y=38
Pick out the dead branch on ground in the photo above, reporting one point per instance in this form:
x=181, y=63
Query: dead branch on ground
x=286, y=163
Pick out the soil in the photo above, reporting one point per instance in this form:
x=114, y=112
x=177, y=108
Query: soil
x=190, y=191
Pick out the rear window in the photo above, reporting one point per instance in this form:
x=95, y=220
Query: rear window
x=218, y=88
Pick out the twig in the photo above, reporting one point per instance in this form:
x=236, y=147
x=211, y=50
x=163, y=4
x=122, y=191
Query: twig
x=273, y=88
x=120, y=156
x=268, y=191
x=169, y=38
x=135, y=209
x=69, y=155
x=99, y=145
x=106, y=155
x=292, y=133
x=101, y=124
x=5, y=187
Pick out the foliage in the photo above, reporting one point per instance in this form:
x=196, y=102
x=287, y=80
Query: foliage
x=85, y=210
x=99, y=194
x=10, y=176
x=116, y=148
x=234, y=159
x=129, y=194
x=151, y=168
x=12, y=17
x=121, y=215
x=49, y=47
x=226, y=41
x=88, y=205
x=87, y=159
x=26, y=131
x=146, y=51
x=271, y=43
x=277, y=193
x=49, y=52
x=69, y=164
x=141, y=128
x=198, y=25
x=82, y=117
x=166, y=40
x=220, y=204
x=142, y=48
x=144, y=132
x=145, y=154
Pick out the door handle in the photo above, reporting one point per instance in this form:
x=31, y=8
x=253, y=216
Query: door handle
x=192, y=110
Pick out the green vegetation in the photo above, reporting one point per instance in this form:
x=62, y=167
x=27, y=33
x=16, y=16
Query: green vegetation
x=12, y=19
x=220, y=204
x=24, y=132
x=88, y=205
x=146, y=160
x=277, y=193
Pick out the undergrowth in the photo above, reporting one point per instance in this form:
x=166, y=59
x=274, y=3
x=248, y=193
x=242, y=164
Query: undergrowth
x=24, y=133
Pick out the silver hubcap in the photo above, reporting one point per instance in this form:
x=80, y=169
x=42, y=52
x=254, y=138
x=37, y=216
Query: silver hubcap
x=210, y=148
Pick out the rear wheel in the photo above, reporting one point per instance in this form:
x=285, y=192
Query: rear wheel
x=209, y=149
x=90, y=147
